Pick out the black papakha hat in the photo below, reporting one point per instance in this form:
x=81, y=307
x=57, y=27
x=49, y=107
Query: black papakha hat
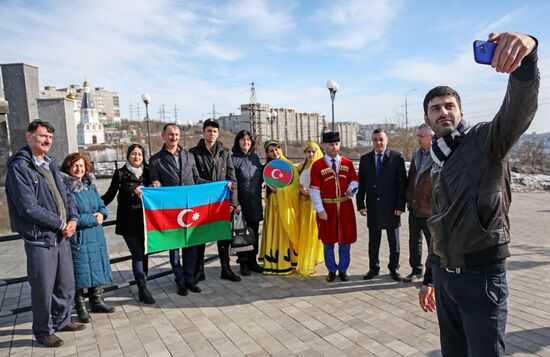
x=210, y=122
x=331, y=137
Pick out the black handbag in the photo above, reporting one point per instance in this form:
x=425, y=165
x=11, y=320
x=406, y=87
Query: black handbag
x=242, y=235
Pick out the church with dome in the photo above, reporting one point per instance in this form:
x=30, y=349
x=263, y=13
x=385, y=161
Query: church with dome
x=89, y=129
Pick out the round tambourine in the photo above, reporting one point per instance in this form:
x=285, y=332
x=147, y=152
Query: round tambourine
x=278, y=173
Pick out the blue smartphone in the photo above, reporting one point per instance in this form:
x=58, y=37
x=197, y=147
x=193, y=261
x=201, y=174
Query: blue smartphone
x=484, y=51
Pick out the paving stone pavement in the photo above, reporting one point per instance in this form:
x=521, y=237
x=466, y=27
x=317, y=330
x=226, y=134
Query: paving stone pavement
x=291, y=315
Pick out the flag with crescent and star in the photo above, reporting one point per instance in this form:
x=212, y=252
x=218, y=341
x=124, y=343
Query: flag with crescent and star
x=184, y=216
x=278, y=173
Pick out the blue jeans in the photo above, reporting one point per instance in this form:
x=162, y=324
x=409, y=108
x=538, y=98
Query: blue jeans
x=140, y=261
x=472, y=310
x=343, y=255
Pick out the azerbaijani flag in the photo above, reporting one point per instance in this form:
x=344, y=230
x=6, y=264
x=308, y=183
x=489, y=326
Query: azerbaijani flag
x=184, y=216
x=278, y=173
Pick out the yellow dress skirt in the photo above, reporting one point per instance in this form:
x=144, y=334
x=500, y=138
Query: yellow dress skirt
x=279, y=246
x=309, y=244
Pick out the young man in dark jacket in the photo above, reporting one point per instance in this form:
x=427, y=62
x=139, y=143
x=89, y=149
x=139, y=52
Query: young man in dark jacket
x=175, y=166
x=214, y=163
x=45, y=216
x=419, y=200
x=466, y=271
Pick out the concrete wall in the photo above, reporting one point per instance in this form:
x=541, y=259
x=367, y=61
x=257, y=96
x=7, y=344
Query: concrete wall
x=21, y=91
x=59, y=112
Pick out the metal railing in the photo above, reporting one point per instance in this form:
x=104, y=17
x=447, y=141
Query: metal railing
x=23, y=279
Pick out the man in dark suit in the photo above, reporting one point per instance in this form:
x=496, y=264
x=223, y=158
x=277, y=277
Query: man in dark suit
x=381, y=197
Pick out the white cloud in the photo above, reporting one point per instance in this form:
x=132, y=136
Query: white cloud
x=352, y=24
x=261, y=18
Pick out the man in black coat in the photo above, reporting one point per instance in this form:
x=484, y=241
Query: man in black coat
x=214, y=163
x=381, y=197
x=175, y=166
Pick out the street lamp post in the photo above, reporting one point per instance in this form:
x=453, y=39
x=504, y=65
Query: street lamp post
x=286, y=133
x=406, y=109
x=332, y=88
x=272, y=119
x=146, y=99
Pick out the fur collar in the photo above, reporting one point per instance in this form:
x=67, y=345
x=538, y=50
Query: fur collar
x=75, y=185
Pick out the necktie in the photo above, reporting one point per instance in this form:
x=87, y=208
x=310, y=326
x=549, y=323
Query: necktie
x=333, y=165
x=378, y=164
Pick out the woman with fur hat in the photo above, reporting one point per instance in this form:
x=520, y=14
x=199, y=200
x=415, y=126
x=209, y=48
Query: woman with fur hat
x=88, y=246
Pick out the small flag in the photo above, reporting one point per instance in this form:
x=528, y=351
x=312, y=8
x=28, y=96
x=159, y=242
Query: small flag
x=184, y=216
x=278, y=173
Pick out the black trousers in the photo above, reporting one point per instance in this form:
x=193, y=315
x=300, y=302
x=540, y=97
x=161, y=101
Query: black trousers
x=375, y=236
x=418, y=226
x=223, y=253
x=184, y=274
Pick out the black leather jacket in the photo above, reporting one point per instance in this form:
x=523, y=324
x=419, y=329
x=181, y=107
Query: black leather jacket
x=216, y=165
x=471, y=191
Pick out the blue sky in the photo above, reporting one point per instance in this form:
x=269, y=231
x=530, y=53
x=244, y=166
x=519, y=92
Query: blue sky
x=195, y=53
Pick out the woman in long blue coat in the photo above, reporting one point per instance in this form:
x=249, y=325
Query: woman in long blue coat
x=89, y=248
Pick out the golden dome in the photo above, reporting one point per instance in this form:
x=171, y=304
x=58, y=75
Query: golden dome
x=85, y=84
x=70, y=96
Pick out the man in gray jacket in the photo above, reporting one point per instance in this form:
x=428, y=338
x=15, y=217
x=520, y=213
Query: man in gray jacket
x=466, y=271
x=45, y=216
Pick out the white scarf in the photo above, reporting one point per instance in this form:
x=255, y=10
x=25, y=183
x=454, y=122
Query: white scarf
x=137, y=171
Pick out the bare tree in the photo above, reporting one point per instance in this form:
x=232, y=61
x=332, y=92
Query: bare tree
x=532, y=155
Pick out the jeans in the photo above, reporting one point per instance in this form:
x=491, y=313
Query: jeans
x=472, y=310
x=140, y=261
x=417, y=227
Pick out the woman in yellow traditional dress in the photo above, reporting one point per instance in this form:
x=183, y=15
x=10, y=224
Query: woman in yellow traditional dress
x=278, y=248
x=309, y=245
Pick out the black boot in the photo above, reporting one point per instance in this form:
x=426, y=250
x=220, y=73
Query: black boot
x=244, y=270
x=143, y=293
x=223, y=252
x=227, y=273
x=81, y=311
x=254, y=266
x=96, y=301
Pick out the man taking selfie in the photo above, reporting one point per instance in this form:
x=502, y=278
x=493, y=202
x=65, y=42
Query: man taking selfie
x=465, y=277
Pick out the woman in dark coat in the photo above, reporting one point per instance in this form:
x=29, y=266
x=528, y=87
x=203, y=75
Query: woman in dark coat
x=248, y=170
x=88, y=246
x=127, y=181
